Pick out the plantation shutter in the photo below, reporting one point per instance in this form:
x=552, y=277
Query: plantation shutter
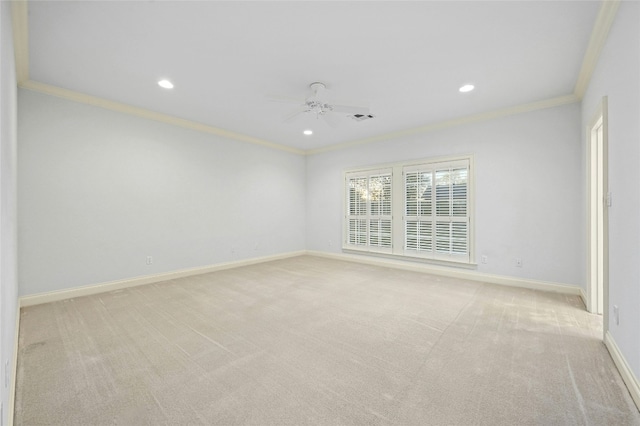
x=357, y=215
x=369, y=220
x=419, y=211
x=436, y=216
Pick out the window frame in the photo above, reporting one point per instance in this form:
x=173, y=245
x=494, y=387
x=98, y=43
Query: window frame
x=399, y=218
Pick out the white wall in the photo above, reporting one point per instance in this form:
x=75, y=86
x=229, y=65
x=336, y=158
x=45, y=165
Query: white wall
x=8, y=267
x=528, y=189
x=99, y=191
x=617, y=76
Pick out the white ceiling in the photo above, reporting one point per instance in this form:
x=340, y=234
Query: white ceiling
x=405, y=59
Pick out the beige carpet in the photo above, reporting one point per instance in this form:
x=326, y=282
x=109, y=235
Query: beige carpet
x=312, y=341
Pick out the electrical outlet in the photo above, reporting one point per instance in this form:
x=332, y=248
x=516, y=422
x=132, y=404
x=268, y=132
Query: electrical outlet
x=519, y=262
x=149, y=260
x=484, y=259
x=616, y=314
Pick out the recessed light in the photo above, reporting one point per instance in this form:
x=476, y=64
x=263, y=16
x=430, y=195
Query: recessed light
x=166, y=84
x=467, y=88
x=308, y=132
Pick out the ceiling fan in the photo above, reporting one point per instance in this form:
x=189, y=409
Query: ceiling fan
x=318, y=105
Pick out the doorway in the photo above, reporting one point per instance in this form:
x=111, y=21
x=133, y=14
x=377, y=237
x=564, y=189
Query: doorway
x=599, y=201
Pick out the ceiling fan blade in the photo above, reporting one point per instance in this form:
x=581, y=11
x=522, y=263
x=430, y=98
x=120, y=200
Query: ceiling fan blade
x=285, y=99
x=349, y=109
x=331, y=120
x=288, y=117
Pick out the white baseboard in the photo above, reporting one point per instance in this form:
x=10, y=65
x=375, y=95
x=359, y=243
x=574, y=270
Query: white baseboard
x=54, y=296
x=583, y=296
x=623, y=367
x=14, y=372
x=454, y=273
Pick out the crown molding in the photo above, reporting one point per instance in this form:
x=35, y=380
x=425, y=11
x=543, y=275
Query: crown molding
x=599, y=34
x=485, y=116
x=148, y=114
x=180, y=122
x=20, y=23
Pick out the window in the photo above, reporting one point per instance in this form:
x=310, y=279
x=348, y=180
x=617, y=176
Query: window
x=436, y=214
x=369, y=210
x=428, y=216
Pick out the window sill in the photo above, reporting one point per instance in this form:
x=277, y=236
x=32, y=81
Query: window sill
x=412, y=259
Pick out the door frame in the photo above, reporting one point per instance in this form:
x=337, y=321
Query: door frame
x=592, y=213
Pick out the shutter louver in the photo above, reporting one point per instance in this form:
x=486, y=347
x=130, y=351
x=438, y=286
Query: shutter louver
x=443, y=237
x=443, y=193
x=459, y=192
x=411, y=235
x=425, y=236
x=380, y=233
x=459, y=238
x=357, y=196
x=357, y=232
